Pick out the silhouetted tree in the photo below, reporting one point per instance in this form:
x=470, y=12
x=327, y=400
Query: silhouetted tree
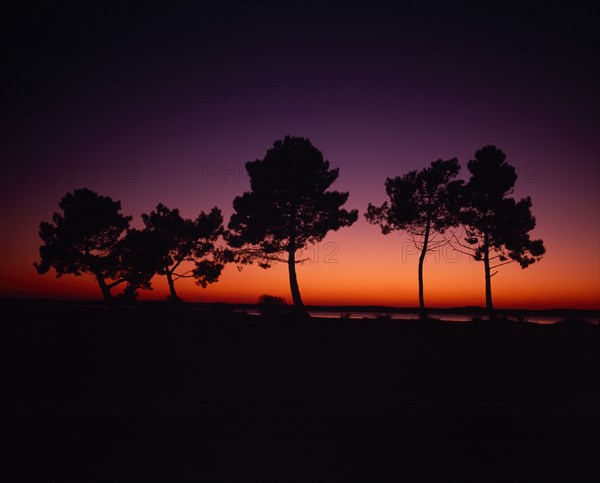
x=420, y=203
x=497, y=227
x=288, y=207
x=138, y=260
x=83, y=239
x=175, y=240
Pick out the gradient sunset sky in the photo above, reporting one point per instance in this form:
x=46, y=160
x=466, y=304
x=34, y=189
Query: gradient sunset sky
x=157, y=103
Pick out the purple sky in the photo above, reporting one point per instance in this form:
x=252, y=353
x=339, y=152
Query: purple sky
x=166, y=104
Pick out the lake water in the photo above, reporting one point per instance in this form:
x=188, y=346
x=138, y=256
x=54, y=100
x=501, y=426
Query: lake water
x=452, y=317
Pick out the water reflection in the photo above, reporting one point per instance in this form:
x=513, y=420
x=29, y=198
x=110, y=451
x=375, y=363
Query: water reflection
x=448, y=317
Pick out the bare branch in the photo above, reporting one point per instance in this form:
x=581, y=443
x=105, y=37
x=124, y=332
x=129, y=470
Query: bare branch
x=470, y=254
x=458, y=242
x=417, y=246
x=504, y=263
x=177, y=276
x=435, y=246
x=115, y=283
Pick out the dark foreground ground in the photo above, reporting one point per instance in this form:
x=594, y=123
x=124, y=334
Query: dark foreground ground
x=162, y=393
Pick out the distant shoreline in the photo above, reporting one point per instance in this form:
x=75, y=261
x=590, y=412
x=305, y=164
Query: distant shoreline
x=467, y=310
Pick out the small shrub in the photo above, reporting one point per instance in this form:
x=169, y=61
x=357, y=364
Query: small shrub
x=270, y=304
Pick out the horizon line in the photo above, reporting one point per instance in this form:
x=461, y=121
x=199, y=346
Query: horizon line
x=365, y=307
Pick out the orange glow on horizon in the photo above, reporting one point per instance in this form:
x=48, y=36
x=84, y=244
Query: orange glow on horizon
x=347, y=271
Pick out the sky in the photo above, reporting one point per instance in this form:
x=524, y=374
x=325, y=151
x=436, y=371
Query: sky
x=166, y=102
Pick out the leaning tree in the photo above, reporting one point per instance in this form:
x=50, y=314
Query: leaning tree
x=497, y=226
x=287, y=208
x=174, y=240
x=84, y=238
x=421, y=204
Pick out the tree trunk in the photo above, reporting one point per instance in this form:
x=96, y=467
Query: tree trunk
x=488, y=277
x=297, y=299
x=421, y=262
x=171, y=285
x=108, y=298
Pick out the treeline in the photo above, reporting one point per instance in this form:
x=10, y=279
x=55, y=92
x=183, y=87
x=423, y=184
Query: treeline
x=289, y=207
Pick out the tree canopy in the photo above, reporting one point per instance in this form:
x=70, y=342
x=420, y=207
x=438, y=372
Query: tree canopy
x=92, y=236
x=174, y=240
x=497, y=226
x=83, y=239
x=289, y=206
x=422, y=204
x=137, y=261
